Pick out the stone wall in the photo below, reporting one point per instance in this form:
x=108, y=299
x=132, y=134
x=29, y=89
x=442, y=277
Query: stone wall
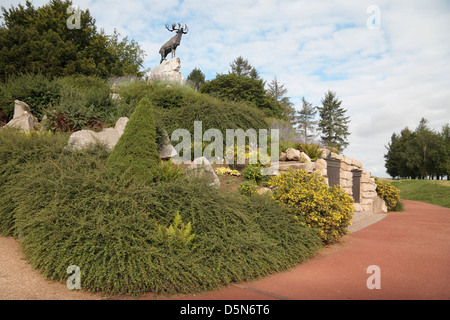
x=368, y=187
x=368, y=193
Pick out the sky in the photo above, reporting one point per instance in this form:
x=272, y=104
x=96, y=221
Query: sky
x=387, y=61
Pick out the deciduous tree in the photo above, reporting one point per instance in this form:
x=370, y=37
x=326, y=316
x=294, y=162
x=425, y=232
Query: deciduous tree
x=39, y=40
x=197, y=78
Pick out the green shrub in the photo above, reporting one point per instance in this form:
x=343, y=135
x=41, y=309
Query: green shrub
x=213, y=114
x=135, y=156
x=286, y=144
x=311, y=149
x=85, y=103
x=68, y=212
x=248, y=188
x=177, y=235
x=252, y=172
x=177, y=107
x=36, y=90
x=169, y=171
x=70, y=103
x=390, y=195
x=232, y=87
x=17, y=150
x=327, y=210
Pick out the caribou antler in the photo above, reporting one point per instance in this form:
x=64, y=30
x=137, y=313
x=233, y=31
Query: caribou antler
x=173, y=27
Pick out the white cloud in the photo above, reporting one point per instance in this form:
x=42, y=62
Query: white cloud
x=387, y=78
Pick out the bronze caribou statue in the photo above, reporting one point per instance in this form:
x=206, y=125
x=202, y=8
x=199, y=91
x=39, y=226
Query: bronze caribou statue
x=174, y=42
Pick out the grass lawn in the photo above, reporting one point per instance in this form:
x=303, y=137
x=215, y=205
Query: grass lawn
x=429, y=191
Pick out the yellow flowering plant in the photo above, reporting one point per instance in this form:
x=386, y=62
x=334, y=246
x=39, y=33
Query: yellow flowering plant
x=389, y=193
x=313, y=203
x=248, y=188
x=221, y=171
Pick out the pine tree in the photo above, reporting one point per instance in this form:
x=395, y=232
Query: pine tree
x=305, y=120
x=278, y=92
x=333, y=123
x=242, y=67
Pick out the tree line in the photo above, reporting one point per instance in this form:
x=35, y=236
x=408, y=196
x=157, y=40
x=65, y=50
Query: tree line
x=243, y=83
x=422, y=153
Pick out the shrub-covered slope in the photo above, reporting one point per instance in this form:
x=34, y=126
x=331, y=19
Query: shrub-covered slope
x=67, y=211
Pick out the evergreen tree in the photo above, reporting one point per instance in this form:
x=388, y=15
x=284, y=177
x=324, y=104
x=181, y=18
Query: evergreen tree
x=278, y=92
x=135, y=156
x=333, y=122
x=242, y=67
x=197, y=78
x=305, y=120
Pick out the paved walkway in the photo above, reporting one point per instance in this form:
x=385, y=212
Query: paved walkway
x=411, y=249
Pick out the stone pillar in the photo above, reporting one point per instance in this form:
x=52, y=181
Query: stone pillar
x=368, y=191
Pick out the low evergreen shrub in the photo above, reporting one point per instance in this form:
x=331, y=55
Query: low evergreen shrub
x=84, y=101
x=67, y=211
x=79, y=208
x=36, y=90
x=17, y=150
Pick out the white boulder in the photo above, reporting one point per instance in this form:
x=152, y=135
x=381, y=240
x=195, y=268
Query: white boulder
x=202, y=166
x=293, y=154
x=23, y=119
x=109, y=136
x=168, y=70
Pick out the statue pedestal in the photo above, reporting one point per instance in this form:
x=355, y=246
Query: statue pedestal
x=168, y=70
